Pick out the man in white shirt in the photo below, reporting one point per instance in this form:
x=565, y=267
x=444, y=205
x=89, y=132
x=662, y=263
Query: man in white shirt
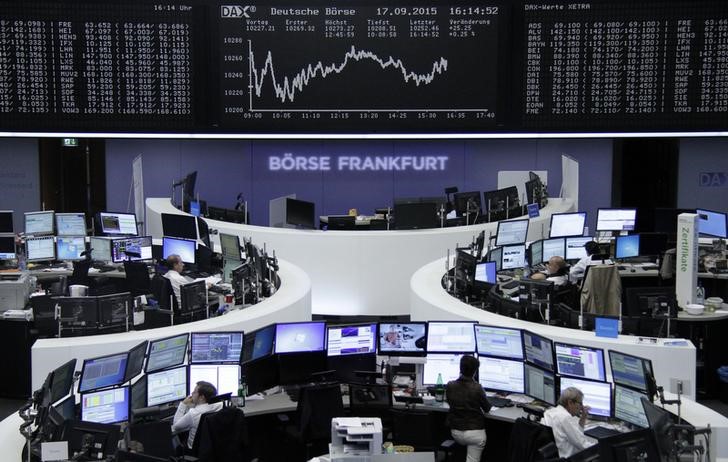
x=556, y=271
x=577, y=271
x=567, y=422
x=176, y=266
x=189, y=411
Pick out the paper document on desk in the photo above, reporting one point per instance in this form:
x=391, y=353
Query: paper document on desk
x=210, y=280
x=348, y=421
x=523, y=399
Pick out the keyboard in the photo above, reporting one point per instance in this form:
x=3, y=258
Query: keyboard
x=510, y=285
x=622, y=268
x=600, y=432
x=218, y=290
x=497, y=401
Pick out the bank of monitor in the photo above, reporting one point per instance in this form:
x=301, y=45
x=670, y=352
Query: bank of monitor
x=450, y=337
x=7, y=247
x=106, y=406
x=185, y=248
x=71, y=224
x=712, y=223
x=580, y=361
x=300, y=337
x=402, y=338
x=627, y=246
x=225, y=377
x=448, y=365
x=40, y=248
x=258, y=343
x=539, y=384
x=555, y=247
x=502, y=342
x=567, y=224
x=616, y=219
x=215, y=347
x=131, y=249
x=70, y=248
x=485, y=272
x=39, y=223
x=597, y=395
x=167, y=386
x=512, y=232
x=630, y=371
x=575, y=247
x=502, y=375
x=100, y=248
x=117, y=224
x=628, y=406
x=182, y=226
x=103, y=372
x=351, y=340
x=514, y=256
x=6, y=222
x=538, y=350
x=167, y=352
x=135, y=364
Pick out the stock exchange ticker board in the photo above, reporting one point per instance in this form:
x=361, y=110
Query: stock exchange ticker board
x=363, y=66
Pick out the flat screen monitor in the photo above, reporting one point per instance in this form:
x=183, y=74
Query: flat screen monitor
x=446, y=364
x=502, y=342
x=131, y=248
x=225, y=377
x=503, y=375
x=450, y=337
x=514, y=256
x=501, y=199
x=259, y=343
x=300, y=214
x=298, y=368
x=261, y=374
x=628, y=406
x=538, y=350
x=6, y=221
x=83, y=311
x=511, y=232
x=135, y=364
x=496, y=256
x=106, y=406
x=486, y=272
x=580, y=361
x=215, y=347
x=627, y=246
x=628, y=370
x=67, y=408
x=167, y=386
x=39, y=223
x=418, y=215
x=567, y=224
x=467, y=202
x=230, y=246
x=118, y=224
x=712, y=223
x=300, y=337
x=167, y=352
x=70, y=247
x=71, y=224
x=653, y=244
x=660, y=422
x=597, y=395
x=540, y=384
x=114, y=309
x=185, y=248
x=182, y=226
x=139, y=393
x=351, y=340
x=62, y=380
x=616, y=219
x=100, y=248
x=193, y=297
x=102, y=372
x=575, y=247
x=535, y=253
x=402, y=338
x=7, y=247
x=40, y=248
x=553, y=248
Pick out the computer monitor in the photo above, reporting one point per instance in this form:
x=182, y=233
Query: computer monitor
x=39, y=223
x=117, y=224
x=616, y=219
x=225, y=377
x=128, y=248
x=114, y=310
x=628, y=406
x=67, y=408
x=215, y=347
x=496, y=255
x=650, y=301
x=138, y=393
x=580, y=361
x=105, y=406
x=6, y=222
x=534, y=191
x=538, y=350
x=79, y=311
x=351, y=340
x=653, y=244
x=70, y=248
x=597, y=395
x=628, y=370
x=511, y=232
x=418, y=215
x=467, y=202
x=101, y=442
x=40, y=248
x=567, y=224
x=300, y=337
x=181, y=226
x=437, y=363
x=502, y=375
x=486, y=272
x=514, y=256
x=62, y=380
x=298, y=368
x=402, y=338
x=539, y=384
x=230, y=246
x=660, y=423
x=300, y=214
x=501, y=199
x=465, y=264
x=258, y=343
x=71, y=224
x=627, y=246
x=575, y=247
x=193, y=297
x=535, y=253
x=450, y=337
x=7, y=247
x=261, y=374
x=502, y=342
x=167, y=386
x=135, y=364
x=553, y=248
x=103, y=372
x=712, y=223
x=185, y=248
x=167, y=352
x=100, y=248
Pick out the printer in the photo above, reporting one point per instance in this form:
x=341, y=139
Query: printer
x=15, y=290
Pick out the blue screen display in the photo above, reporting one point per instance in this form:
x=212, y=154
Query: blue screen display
x=300, y=337
x=711, y=223
x=185, y=248
x=102, y=372
x=70, y=248
x=485, y=272
x=627, y=246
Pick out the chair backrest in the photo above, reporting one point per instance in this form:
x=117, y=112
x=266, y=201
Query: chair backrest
x=222, y=436
x=363, y=397
x=414, y=428
x=155, y=438
x=317, y=405
x=601, y=292
x=137, y=278
x=44, y=310
x=162, y=290
x=80, y=273
x=527, y=438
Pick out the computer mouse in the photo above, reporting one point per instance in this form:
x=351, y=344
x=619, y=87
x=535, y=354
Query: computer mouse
x=632, y=270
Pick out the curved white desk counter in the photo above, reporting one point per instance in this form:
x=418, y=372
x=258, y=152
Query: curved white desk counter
x=292, y=302
x=357, y=272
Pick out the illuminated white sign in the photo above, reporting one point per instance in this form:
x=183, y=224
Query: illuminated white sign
x=289, y=163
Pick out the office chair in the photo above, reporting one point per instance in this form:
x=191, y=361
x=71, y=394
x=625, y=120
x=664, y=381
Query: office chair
x=155, y=438
x=531, y=441
x=601, y=292
x=80, y=274
x=162, y=291
x=137, y=278
x=222, y=436
x=371, y=400
x=44, y=312
x=414, y=428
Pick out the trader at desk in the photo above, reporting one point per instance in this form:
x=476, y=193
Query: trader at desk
x=577, y=271
x=176, y=266
x=556, y=271
x=189, y=411
x=567, y=422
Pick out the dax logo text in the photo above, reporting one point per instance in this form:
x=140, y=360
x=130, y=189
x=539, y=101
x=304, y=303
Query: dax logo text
x=713, y=179
x=234, y=11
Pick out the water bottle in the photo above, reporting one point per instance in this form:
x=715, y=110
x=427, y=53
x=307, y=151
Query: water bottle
x=439, y=389
x=242, y=391
x=700, y=295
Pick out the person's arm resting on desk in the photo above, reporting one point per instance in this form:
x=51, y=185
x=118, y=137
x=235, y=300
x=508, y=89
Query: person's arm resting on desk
x=567, y=423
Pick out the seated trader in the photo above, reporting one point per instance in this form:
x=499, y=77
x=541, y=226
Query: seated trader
x=468, y=405
x=176, y=266
x=187, y=417
x=577, y=271
x=567, y=422
x=556, y=271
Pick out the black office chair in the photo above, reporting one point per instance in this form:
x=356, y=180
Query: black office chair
x=155, y=438
x=222, y=436
x=80, y=275
x=137, y=278
x=44, y=315
x=162, y=292
x=414, y=428
x=371, y=400
x=531, y=441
